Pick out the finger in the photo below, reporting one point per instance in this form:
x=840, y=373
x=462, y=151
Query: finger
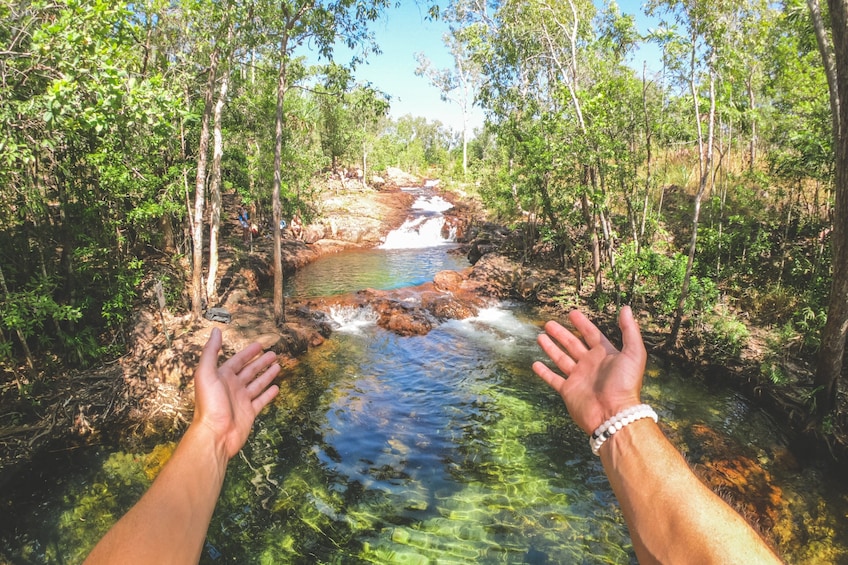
x=255, y=387
x=256, y=366
x=554, y=380
x=560, y=358
x=264, y=399
x=590, y=332
x=572, y=344
x=632, y=343
x=208, y=364
x=238, y=361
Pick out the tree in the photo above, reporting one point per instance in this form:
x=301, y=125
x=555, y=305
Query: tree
x=368, y=108
x=86, y=142
x=215, y=184
x=834, y=52
x=289, y=24
x=458, y=85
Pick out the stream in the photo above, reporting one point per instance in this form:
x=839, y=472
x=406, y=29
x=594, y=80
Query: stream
x=443, y=448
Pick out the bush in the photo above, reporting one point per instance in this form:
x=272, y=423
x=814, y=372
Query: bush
x=651, y=277
x=726, y=335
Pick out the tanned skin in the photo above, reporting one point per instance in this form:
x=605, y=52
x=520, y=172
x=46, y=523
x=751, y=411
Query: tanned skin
x=169, y=523
x=672, y=516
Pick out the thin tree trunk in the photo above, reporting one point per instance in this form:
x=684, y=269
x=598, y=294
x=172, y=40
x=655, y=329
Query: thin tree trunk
x=200, y=188
x=706, y=170
x=831, y=352
x=279, y=304
x=215, y=192
x=18, y=332
x=752, y=148
x=649, y=162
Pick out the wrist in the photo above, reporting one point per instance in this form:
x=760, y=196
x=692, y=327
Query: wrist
x=614, y=424
x=204, y=439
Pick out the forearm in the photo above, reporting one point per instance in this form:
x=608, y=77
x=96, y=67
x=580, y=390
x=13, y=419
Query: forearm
x=168, y=524
x=673, y=517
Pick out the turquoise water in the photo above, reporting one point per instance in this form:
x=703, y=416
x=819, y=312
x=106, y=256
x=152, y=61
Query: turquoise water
x=372, y=268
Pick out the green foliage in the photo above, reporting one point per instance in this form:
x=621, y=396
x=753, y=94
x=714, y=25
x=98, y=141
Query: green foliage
x=118, y=306
x=810, y=321
x=32, y=309
x=784, y=342
x=725, y=334
x=652, y=277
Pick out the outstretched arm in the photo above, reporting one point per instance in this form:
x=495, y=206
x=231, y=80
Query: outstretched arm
x=672, y=516
x=169, y=523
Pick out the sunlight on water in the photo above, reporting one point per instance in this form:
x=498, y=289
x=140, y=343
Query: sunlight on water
x=423, y=228
x=432, y=204
x=416, y=233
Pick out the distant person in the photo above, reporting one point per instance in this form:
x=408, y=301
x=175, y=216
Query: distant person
x=673, y=517
x=168, y=524
x=297, y=226
x=244, y=221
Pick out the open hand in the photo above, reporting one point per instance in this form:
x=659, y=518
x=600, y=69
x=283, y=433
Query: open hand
x=228, y=398
x=600, y=380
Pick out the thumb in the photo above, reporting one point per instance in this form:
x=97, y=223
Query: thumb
x=208, y=364
x=632, y=344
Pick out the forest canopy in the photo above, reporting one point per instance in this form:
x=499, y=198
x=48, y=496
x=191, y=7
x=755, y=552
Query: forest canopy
x=707, y=187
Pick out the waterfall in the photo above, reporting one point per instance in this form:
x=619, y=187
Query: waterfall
x=423, y=228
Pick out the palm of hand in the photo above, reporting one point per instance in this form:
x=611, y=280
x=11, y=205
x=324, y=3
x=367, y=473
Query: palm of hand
x=229, y=397
x=225, y=408
x=600, y=380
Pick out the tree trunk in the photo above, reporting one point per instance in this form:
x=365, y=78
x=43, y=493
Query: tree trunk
x=215, y=192
x=364, y=167
x=279, y=304
x=752, y=148
x=200, y=189
x=706, y=158
x=830, y=361
x=18, y=332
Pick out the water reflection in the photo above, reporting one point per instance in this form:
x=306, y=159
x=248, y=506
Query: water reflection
x=382, y=269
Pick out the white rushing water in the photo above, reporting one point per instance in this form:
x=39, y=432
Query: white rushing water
x=352, y=319
x=423, y=228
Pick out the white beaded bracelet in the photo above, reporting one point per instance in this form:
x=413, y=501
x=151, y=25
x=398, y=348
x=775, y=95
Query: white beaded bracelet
x=623, y=418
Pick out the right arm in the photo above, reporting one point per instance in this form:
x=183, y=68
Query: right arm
x=672, y=516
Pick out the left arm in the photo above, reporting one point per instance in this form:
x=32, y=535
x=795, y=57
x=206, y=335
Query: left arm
x=169, y=523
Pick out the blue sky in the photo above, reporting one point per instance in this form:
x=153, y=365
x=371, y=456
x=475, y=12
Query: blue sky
x=404, y=31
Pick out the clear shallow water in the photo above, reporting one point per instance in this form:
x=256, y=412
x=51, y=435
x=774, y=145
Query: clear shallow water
x=442, y=448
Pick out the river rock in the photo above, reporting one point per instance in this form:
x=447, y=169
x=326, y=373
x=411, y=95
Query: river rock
x=496, y=274
x=296, y=338
x=448, y=281
x=447, y=307
x=402, y=319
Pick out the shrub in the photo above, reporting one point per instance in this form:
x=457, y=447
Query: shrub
x=726, y=334
x=656, y=278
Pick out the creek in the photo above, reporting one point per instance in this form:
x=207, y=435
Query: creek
x=443, y=448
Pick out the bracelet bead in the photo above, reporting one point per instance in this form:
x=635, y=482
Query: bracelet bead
x=624, y=418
